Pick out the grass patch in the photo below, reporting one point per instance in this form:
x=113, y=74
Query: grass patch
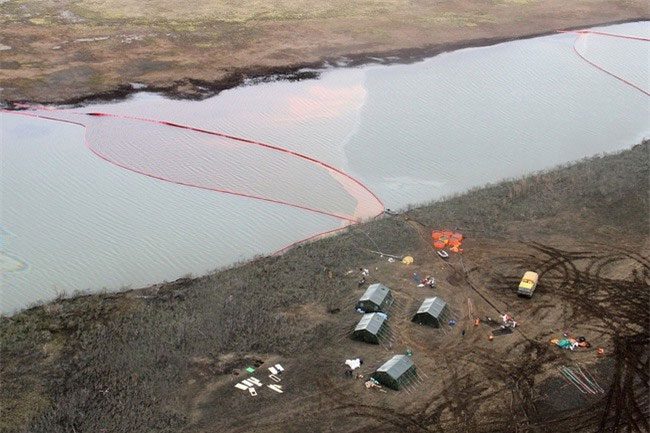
x=235, y=11
x=459, y=19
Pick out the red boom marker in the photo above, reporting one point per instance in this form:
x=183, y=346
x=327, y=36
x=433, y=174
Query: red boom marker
x=215, y=161
x=582, y=33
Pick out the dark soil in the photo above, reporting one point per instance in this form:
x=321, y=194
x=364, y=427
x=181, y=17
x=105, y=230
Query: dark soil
x=166, y=358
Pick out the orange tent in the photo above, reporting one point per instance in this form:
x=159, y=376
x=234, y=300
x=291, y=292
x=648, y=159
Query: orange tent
x=436, y=235
x=458, y=236
x=439, y=244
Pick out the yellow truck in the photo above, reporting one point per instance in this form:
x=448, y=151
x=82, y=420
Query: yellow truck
x=528, y=284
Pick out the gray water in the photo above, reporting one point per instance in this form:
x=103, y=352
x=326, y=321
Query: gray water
x=412, y=133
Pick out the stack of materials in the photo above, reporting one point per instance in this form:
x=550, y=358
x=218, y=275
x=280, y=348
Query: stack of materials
x=447, y=239
x=252, y=382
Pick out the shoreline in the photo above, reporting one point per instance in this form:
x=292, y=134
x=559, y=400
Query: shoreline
x=175, y=356
x=166, y=358
x=414, y=55
x=166, y=287
x=199, y=89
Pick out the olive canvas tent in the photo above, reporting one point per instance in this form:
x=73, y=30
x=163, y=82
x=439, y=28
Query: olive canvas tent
x=371, y=328
x=396, y=373
x=376, y=298
x=432, y=312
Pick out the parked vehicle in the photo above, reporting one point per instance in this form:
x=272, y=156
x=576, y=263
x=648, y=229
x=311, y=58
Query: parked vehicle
x=528, y=284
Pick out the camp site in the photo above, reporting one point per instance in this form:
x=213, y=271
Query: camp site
x=370, y=216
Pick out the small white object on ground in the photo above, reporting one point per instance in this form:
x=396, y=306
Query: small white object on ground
x=241, y=386
x=255, y=381
x=353, y=363
x=247, y=383
x=279, y=367
x=252, y=391
x=274, y=378
x=273, y=370
x=276, y=388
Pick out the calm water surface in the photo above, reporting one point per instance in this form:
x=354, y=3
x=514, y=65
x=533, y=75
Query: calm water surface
x=412, y=133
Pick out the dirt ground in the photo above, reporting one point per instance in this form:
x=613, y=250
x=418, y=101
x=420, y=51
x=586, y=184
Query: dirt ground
x=469, y=383
x=75, y=50
x=166, y=358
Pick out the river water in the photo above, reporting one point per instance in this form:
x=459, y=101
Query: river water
x=412, y=133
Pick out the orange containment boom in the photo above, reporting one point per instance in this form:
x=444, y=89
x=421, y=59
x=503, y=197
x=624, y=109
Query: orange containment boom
x=446, y=238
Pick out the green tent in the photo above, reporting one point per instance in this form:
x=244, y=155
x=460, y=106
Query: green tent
x=432, y=312
x=371, y=328
x=396, y=373
x=376, y=298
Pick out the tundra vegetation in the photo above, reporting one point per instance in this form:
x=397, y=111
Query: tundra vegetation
x=76, y=50
x=165, y=358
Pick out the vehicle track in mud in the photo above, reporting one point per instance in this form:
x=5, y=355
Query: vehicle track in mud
x=578, y=277
x=621, y=305
x=516, y=378
x=500, y=394
x=462, y=394
x=459, y=396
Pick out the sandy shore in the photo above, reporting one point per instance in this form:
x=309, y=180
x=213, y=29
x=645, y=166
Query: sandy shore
x=56, y=52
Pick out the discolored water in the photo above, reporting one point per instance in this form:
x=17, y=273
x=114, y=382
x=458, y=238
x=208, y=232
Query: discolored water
x=412, y=133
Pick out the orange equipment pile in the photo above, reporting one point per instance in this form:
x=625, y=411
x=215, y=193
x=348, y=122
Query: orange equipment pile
x=446, y=238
